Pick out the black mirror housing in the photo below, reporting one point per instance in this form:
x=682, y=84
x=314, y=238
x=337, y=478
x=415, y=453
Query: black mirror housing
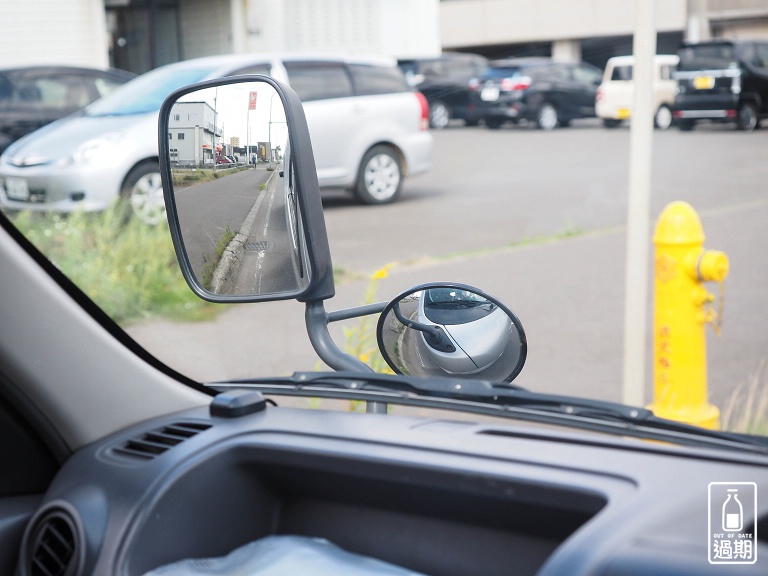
x=310, y=236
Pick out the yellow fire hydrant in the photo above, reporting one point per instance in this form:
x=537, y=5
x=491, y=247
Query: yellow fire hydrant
x=682, y=308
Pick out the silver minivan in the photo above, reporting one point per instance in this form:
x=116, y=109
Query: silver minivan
x=369, y=130
x=616, y=92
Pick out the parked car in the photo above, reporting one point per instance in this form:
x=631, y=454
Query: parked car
x=224, y=160
x=722, y=81
x=445, y=82
x=369, y=128
x=116, y=464
x=616, y=92
x=541, y=90
x=33, y=96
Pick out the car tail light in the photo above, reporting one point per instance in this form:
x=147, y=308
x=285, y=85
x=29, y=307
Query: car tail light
x=514, y=84
x=474, y=84
x=424, y=111
x=599, y=95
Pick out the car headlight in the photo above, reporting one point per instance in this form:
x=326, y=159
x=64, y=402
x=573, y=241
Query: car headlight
x=92, y=149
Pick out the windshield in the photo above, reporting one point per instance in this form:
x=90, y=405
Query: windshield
x=708, y=57
x=147, y=92
x=532, y=199
x=498, y=72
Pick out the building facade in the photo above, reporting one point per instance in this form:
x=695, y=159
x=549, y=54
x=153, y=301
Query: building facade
x=139, y=35
x=193, y=133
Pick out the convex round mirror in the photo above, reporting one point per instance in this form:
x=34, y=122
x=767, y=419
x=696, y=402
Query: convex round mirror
x=234, y=190
x=451, y=330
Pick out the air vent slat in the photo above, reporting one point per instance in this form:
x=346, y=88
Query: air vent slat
x=53, y=546
x=144, y=445
x=156, y=442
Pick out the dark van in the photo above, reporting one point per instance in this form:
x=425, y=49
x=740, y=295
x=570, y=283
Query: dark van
x=445, y=82
x=722, y=81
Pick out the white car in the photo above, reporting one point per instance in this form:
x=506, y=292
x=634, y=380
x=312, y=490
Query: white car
x=616, y=92
x=368, y=127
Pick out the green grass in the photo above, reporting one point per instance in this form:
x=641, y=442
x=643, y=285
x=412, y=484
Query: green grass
x=126, y=267
x=211, y=261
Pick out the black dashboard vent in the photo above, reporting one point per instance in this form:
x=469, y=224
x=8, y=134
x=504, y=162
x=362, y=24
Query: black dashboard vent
x=54, y=546
x=155, y=442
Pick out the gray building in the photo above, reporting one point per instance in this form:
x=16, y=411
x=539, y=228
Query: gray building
x=191, y=130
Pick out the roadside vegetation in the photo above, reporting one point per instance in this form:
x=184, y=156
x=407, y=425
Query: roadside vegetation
x=360, y=339
x=126, y=267
x=212, y=260
x=183, y=178
x=747, y=408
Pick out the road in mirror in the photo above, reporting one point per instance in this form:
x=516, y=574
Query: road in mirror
x=452, y=331
x=234, y=189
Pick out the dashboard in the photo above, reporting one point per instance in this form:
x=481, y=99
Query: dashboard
x=436, y=496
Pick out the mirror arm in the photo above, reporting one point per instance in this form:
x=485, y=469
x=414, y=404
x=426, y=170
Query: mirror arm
x=317, y=327
x=358, y=311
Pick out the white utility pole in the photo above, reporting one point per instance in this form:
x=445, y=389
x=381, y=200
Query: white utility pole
x=638, y=216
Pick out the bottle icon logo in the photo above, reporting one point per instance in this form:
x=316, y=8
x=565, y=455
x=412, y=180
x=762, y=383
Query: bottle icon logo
x=733, y=512
x=732, y=527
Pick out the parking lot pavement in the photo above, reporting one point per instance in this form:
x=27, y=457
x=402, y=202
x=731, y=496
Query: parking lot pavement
x=568, y=292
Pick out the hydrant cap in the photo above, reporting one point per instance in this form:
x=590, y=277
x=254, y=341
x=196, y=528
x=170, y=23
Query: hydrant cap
x=679, y=224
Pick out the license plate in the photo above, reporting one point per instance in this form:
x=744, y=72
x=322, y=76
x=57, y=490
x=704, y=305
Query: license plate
x=622, y=113
x=16, y=189
x=489, y=94
x=704, y=82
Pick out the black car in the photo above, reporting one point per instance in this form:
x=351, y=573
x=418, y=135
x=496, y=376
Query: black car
x=722, y=81
x=544, y=91
x=32, y=97
x=445, y=82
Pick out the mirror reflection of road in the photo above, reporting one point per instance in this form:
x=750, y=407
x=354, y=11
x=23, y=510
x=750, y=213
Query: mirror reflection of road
x=262, y=268
x=211, y=214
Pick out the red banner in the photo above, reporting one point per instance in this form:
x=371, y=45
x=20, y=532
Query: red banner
x=252, y=101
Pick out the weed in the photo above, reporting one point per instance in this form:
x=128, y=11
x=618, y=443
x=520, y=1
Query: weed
x=360, y=340
x=746, y=410
x=211, y=261
x=127, y=267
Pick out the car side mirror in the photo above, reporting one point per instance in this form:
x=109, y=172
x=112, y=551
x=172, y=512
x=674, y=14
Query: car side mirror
x=244, y=231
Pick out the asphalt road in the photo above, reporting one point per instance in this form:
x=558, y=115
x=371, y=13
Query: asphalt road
x=235, y=233
x=538, y=220
x=207, y=211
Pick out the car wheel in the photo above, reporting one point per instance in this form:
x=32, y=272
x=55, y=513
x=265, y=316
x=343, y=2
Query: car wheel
x=685, y=125
x=493, y=123
x=439, y=115
x=663, y=118
x=546, y=117
x=747, y=119
x=611, y=123
x=143, y=190
x=380, y=178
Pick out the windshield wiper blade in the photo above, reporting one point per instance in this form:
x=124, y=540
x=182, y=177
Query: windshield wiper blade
x=506, y=399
